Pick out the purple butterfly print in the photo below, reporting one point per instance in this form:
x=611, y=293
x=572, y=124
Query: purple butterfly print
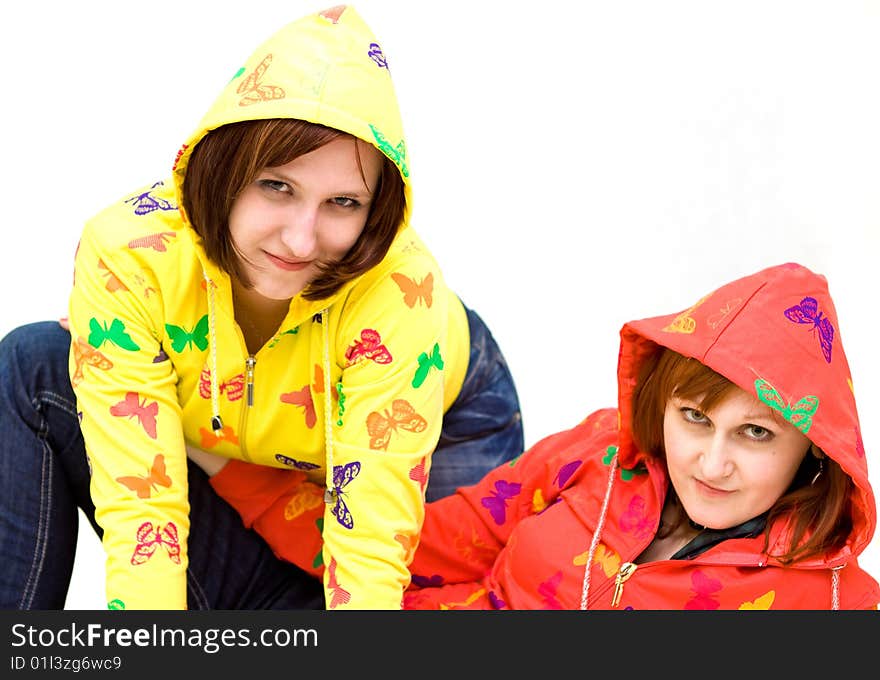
x=495, y=601
x=342, y=476
x=294, y=463
x=808, y=312
x=565, y=472
x=497, y=502
x=146, y=203
x=375, y=53
x=434, y=581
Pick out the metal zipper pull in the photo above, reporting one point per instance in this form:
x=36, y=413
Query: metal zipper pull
x=249, y=372
x=627, y=569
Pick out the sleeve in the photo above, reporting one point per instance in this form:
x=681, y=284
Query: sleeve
x=390, y=397
x=131, y=424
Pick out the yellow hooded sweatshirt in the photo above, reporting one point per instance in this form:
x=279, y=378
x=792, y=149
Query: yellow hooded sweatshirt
x=351, y=390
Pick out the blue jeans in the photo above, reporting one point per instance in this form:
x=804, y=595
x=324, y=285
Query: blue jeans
x=44, y=480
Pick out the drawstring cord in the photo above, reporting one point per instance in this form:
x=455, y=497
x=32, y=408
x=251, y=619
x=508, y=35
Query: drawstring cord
x=216, y=421
x=585, y=591
x=328, y=406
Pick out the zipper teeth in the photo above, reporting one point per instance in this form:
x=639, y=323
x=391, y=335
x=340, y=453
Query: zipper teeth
x=250, y=365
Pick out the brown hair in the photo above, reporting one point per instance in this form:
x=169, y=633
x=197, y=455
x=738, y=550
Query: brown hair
x=818, y=511
x=230, y=157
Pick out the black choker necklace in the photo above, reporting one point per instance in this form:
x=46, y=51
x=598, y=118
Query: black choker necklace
x=694, y=525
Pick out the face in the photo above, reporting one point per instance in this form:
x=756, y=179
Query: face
x=732, y=463
x=309, y=211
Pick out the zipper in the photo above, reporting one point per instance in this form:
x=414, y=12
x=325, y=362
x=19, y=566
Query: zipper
x=250, y=363
x=249, y=366
x=626, y=570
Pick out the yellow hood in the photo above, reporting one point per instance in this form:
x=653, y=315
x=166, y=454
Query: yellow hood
x=327, y=68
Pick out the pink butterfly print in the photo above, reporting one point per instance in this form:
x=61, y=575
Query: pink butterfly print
x=233, y=388
x=635, y=519
x=148, y=539
x=547, y=590
x=303, y=399
x=155, y=241
x=705, y=589
x=132, y=407
x=808, y=312
x=418, y=474
x=368, y=347
x=340, y=595
x=497, y=502
x=565, y=472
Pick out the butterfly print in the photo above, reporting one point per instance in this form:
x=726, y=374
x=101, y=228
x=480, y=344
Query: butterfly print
x=131, y=407
x=340, y=594
x=210, y=440
x=146, y=203
x=232, y=388
x=539, y=505
x=161, y=356
x=402, y=417
x=252, y=88
x=148, y=539
x=408, y=543
x=155, y=241
x=396, y=153
x=318, y=562
x=113, y=284
x=342, y=477
x=419, y=474
x=84, y=353
x=684, y=322
x=496, y=504
x=115, y=604
x=547, y=590
x=635, y=520
x=375, y=53
x=807, y=312
x=318, y=383
x=434, y=581
x=722, y=313
x=496, y=602
x=303, y=399
x=800, y=415
x=368, y=347
x=278, y=336
x=144, y=486
x=333, y=13
x=467, y=602
x=307, y=497
x=182, y=339
x=605, y=557
x=705, y=591
x=413, y=293
x=426, y=363
x=180, y=152
x=763, y=602
x=114, y=333
x=565, y=472
x=292, y=462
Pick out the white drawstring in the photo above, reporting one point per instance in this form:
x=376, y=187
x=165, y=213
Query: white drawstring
x=216, y=421
x=595, y=542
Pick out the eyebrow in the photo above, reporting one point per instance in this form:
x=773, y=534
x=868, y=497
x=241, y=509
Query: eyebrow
x=363, y=192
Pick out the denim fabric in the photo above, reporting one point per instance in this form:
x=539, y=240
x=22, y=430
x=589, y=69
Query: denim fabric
x=44, y=479
x=483, y=427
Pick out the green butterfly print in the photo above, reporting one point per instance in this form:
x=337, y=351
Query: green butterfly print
x=800, y=415
x=114, y=333
x=426, y=363
x=319, y=558
x=625, y=475
x=395, y=153
x=278, y=336
x=182, y=339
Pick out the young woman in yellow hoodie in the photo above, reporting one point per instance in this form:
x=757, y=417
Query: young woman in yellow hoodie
x=268, y=302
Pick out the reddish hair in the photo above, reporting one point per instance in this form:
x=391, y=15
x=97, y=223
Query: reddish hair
x=819, y=512
x=229, y=158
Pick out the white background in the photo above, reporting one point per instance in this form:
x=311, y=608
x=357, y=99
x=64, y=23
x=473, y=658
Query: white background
x=575, y=164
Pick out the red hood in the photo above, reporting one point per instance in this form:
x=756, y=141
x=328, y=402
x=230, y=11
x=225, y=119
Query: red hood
x=775, y=334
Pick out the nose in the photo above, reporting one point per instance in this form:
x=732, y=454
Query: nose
x=300, y=232
x=715, y=460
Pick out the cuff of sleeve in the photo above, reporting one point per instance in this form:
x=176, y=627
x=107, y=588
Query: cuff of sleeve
x=251, y=489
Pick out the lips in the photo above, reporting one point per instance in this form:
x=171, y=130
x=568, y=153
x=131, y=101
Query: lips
x=707, y=490
x=287, y=265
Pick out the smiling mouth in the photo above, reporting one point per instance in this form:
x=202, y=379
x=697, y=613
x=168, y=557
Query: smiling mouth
x=287, y=265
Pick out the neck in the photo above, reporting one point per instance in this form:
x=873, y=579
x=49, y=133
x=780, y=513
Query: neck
x=258, y=316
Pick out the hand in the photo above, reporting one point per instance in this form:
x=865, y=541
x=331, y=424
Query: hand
x=209, y=462
x=65, y=324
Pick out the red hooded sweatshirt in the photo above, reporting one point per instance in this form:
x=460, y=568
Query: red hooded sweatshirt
x=561, y=526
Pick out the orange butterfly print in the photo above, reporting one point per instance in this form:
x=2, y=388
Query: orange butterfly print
x=333, y=13
x=233, y=388
x=84, y=353
x=132, y=407
x=469, y=600
x=144, y=485
x=419, y=474
x=113, y=284
x=402, y=417
x=319, y=383
x=415, y=292
x=303, y=399
x=148, y=539
x=475, y=549
x=368, y=347
x=252, y=89
x=684, y=322
x=606, y=558
x=408, y=543
x=155, y=241
x=210, y=440
x=340, y=594
x=763, y=602
x=308, y=497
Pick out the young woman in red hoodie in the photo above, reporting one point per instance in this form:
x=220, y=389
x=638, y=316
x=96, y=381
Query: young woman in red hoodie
x=731, y=475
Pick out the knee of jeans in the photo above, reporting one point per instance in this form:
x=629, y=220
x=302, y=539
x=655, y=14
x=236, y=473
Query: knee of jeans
x=27, y=348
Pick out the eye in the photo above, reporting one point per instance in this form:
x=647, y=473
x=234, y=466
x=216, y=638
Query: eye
x=345, y=202
x=693, y=415
x=274, y=185
x=758, y=433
